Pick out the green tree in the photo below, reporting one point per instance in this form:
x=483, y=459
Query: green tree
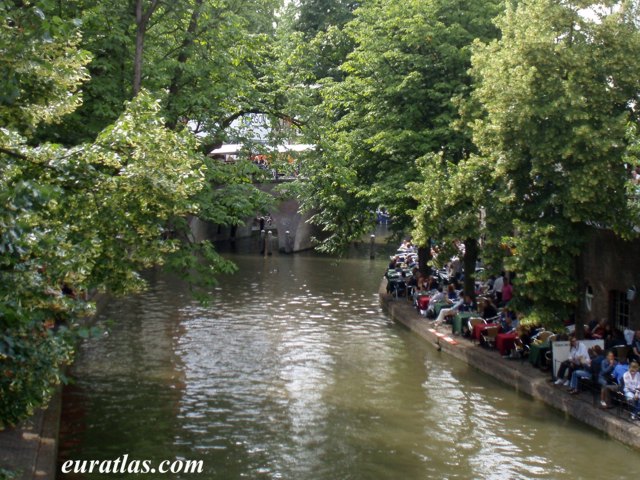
x=398, y=103
x=558, y=95
x=210, y=61
x=81, y=217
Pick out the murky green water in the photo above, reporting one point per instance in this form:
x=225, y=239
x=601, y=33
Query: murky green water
x=293, y=372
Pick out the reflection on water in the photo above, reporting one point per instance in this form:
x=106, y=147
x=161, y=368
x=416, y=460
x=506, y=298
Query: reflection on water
x=293, y=372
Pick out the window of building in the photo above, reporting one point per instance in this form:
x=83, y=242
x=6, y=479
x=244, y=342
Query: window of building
x=620, y=309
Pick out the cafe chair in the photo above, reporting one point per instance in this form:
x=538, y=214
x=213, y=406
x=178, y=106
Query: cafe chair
x=471, y=323
x=520, y=350
x=489, y=337
x=398, y=289
x=543, y=336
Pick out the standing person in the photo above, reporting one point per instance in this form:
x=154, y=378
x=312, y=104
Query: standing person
x=578, y=357
x=632, y=388
x=498, y=285
x=507, y=292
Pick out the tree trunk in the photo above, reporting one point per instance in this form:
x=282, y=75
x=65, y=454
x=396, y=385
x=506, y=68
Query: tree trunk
x=470, y=257
x=424, y=256
x=142, y=21
x=183, y=56
x=137, y=60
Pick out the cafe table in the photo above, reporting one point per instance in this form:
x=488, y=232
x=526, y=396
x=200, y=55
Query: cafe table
x=537, y=353
x=456, y=326
x=505, y=342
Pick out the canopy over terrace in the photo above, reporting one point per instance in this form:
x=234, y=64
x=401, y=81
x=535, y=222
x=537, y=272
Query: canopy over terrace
x=230, y=152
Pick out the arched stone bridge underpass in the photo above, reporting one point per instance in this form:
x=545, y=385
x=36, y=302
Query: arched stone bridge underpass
x=285, y=218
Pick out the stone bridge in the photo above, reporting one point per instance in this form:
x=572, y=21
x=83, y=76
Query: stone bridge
x=285, y=217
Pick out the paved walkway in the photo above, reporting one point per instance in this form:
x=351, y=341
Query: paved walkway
x=31, y=449
x=521, y=375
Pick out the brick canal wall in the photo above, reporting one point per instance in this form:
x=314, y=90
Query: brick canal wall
x=520, y=375
x=31, y=449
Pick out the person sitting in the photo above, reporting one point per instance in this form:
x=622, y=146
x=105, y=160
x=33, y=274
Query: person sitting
x=394, y=262
x=507, y=320
x=599, y=330
x=619, y=370
x=487, y=309
x=451, y=292
x=632, y=388
x=439, y=297
x=606, y=378
x=431, y=283
x=412, y=284
x=397, y=286
x=465, y=305
x=436, y=298
x=617, y=378
x=596, y=358
x=578, y=357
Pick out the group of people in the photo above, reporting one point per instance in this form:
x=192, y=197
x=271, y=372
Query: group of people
x=445, y=287
x=610, y=374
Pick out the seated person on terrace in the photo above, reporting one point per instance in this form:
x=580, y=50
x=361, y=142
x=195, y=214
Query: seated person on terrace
x=619, y=370
x=507, y=320
x=578, y=357
x=632, y=388
x=394, y=262
x=429, y=283
x=596, y=357
x=420, y=281
x=599, y=330
x=397, y=286
x=466, y=304
x=412, y=283
x=438, y=298
x=487, y=308
x=451, y=292
x=406, y=246
x=606, y=378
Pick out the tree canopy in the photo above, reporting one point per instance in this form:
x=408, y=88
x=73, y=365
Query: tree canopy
x=511, y=127
x=98, y=178
x=396, y=108
x=558, y=99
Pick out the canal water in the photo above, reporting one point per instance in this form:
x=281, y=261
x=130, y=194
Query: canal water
x=293, y=372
